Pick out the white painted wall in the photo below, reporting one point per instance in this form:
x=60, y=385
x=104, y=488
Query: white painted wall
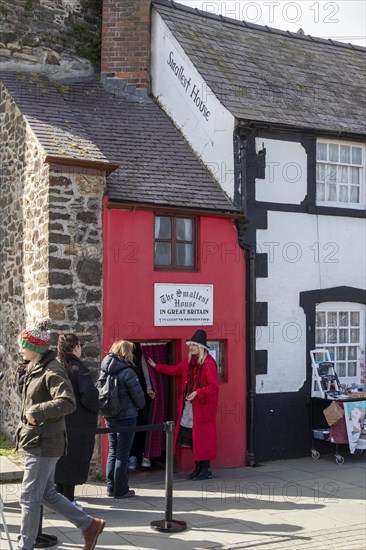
x=285, y=176
x=211, y=137
x=306, y=252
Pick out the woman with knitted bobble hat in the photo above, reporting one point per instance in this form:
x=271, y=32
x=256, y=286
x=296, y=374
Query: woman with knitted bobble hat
x=47, y=397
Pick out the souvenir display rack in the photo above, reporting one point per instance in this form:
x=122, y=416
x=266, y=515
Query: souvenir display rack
x=325, y=387
x=325, y=382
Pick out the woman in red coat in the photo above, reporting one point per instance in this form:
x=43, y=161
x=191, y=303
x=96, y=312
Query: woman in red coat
x=197, y=405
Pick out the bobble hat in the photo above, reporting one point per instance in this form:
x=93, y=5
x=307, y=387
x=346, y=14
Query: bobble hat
x=36, y=337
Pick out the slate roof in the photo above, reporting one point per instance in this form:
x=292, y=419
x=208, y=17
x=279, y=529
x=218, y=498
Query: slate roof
x=50, y=116
x=271, y=76
x=82, y=121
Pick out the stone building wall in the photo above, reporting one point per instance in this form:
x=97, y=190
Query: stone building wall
x=75, y=255
x=50, y=249
x=56, y=36
x=23, y=242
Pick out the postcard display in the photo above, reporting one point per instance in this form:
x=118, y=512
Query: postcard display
x=344, y=411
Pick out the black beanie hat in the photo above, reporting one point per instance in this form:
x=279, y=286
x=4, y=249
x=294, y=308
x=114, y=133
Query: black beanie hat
x=199, y=338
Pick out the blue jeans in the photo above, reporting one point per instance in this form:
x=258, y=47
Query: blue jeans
x=119, y=450
x=38, y=487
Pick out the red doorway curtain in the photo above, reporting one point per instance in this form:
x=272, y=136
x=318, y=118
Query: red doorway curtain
x=154, y=442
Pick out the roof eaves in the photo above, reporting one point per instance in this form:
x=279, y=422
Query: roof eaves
x=254, y=26
x=262, y=125
x=219, y=212
x=106, y=167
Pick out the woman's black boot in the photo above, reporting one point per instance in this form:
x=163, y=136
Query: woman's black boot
x=196, y=471
x=205, y=473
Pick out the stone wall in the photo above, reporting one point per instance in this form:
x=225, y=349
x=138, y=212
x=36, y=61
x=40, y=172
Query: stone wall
x=23, y=242
x=55, y=36
x=75, y=255
x=50, y=247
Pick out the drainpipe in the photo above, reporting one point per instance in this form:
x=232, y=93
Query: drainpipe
x=251, y=334
x=241, y=153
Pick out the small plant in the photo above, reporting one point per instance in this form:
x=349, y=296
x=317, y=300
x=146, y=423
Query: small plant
x=6, y=448
x=3, y=10
x=28, y=6
x=98, y=477
x=90, y=45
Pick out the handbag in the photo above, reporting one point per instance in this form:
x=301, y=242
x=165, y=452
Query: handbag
x=333, y=413
x=186, y=419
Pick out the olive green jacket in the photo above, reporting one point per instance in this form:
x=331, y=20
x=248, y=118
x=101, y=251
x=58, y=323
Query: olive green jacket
x=48, y=396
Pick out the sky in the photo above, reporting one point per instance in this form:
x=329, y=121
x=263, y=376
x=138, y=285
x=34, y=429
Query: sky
x=343, y=20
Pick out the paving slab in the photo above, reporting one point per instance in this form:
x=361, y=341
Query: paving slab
x=9, y=469
x=288, y=505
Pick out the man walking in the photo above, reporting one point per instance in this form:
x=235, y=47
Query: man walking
x=47, y=396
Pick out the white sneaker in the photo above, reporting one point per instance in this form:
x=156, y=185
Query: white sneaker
x=77, y=505
x=132, y=463
x=146, y=463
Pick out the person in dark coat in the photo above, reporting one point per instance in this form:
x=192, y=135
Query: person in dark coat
x=197, y=405
x=73, y=468
x=119, y=362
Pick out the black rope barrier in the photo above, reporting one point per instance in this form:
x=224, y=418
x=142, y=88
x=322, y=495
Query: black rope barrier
x=147, y=428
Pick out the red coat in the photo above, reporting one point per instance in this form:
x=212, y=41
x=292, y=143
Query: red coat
x=204, y=406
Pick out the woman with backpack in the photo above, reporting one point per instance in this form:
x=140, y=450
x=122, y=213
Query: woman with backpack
x=73, y=469
x=119, y=363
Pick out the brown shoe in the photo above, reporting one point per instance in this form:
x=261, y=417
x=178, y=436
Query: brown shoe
x=92, y=533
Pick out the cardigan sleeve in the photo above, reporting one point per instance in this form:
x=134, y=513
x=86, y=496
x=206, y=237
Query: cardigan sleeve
x=145, y=372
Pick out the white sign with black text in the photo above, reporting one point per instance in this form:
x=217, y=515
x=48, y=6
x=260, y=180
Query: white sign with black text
x=183, y=304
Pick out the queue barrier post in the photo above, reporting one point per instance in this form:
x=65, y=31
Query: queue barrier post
x=43, y=540
x=168, y=524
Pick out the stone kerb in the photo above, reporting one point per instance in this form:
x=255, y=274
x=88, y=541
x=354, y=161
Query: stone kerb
x=75, y=256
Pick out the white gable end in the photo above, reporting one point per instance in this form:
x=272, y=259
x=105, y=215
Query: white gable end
x=187, y=99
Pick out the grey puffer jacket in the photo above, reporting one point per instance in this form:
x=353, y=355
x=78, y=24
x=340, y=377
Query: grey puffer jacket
x=130, y=391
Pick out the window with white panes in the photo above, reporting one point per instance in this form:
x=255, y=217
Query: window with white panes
x=175, y=243
x=340, y=174
x=340, y=328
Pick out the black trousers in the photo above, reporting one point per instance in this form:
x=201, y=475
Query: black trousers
x=67, y=490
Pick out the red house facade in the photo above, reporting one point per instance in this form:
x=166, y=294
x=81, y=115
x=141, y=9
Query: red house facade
x=130, y=310
x=172, y=260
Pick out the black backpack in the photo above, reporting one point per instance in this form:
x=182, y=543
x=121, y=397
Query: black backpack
x=109, y=403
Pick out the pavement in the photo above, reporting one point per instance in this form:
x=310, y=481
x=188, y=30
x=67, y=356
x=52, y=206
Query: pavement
x=289, y=504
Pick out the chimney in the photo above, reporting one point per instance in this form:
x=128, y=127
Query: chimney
x=126, y=39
